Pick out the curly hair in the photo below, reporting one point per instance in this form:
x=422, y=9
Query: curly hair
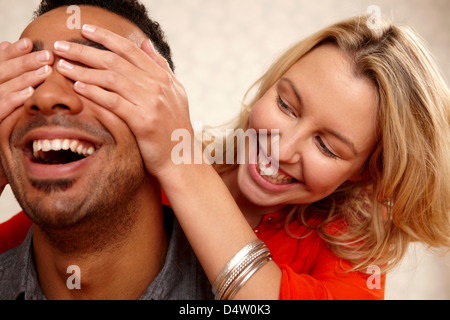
x=131, y=10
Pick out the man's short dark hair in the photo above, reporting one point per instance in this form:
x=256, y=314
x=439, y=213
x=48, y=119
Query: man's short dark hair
x=131, y=10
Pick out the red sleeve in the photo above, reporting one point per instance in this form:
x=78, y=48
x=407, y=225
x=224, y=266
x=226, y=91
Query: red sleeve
x=329, y=281
x=310, y=270
x=164, y=199
x=14, y=231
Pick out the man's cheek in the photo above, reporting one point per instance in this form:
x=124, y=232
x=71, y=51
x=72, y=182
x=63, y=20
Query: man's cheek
x=10, y=122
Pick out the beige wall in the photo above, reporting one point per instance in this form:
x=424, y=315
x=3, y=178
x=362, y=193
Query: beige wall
x=221, y=47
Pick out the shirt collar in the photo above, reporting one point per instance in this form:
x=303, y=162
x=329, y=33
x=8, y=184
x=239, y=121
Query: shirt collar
x=182, y=276
x=25, y=280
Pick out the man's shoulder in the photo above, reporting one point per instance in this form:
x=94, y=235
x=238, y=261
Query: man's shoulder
x=8, y=269
x=8, y=260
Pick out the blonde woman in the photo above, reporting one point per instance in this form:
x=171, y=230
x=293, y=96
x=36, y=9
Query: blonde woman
x=362, y=117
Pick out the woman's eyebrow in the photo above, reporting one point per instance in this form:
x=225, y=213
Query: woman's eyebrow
x=292, y=85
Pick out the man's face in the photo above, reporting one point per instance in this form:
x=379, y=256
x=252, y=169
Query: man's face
x=65, y=157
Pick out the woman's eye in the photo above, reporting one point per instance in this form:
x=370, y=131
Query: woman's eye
x=285, y=107
x=325, y=149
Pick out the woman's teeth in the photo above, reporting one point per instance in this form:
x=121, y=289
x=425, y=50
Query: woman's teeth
x=272, y=175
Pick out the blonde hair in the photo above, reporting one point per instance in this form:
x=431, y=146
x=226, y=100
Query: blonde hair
x=406, y=195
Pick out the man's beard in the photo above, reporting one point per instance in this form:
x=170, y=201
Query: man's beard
x=99, y=212
x=102, y=219
x=51, y=186
x=102, y=224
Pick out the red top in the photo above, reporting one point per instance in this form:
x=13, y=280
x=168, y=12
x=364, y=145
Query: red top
x=310, y=270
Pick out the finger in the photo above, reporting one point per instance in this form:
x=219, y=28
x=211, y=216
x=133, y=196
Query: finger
x=4, y=45
x=13, y=101
x=106, y=79
x=148, y=48
x=28, y=79
x=17, y=49
x=15, y=67
x=92, y=57
x=119, y=45
x=108, y=100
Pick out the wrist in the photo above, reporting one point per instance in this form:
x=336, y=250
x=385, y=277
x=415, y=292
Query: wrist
x=179, y=176
x=184, y=167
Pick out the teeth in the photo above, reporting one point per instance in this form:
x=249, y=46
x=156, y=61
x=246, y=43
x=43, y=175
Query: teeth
x=56, y=145
x=267, y=171
x=75, y=146
x=90, y=151
x=46, y=146
x=66, y=144
x=271, y=174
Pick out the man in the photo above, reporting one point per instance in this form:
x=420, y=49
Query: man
x=99, y=230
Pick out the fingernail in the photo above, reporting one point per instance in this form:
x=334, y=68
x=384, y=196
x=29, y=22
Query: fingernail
x=88, y=28
x=26, y=91
x=151, y=44
x=65, y=65
x=23, y=45
x=61, y=46
x=43, y=56
x=80, y=85
x=42, y=70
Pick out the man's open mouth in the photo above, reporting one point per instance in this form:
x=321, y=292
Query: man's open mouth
x=60, y=151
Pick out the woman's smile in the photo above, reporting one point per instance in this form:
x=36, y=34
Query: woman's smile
x=325, y=116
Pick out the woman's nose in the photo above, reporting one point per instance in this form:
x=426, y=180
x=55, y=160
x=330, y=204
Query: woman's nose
x=289, y=150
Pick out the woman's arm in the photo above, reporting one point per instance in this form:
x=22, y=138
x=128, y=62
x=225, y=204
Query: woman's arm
x=215, y=226
x=148, y=97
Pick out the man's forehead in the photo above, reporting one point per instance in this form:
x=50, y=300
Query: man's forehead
x=56, y=25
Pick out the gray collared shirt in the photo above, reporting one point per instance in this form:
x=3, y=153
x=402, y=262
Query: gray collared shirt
x=182, y=277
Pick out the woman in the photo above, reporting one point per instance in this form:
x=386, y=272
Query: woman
x=363, y=126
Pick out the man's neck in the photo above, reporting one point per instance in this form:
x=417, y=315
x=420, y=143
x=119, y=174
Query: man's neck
x=121, y=269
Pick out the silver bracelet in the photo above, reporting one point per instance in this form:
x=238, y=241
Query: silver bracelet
x=232, y=264
x=246, y=275
x=240, y=268
x=234, y=273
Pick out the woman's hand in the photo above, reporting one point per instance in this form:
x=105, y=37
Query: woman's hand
x=20, y=71
x=137, y=85
x=134, y=83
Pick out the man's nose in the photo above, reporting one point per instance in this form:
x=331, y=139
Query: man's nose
x=54, y=95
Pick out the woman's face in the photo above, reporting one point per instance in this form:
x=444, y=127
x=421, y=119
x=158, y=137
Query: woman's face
x=326, y=117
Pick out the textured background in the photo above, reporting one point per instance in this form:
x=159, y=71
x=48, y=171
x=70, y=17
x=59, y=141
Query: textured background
x=221, y=47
